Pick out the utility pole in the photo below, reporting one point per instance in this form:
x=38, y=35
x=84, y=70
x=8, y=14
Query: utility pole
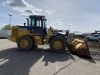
x=9, y=19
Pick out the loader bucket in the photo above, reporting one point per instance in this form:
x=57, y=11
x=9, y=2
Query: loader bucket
x=80, y=47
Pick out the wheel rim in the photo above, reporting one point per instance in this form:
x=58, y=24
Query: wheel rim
x=24, y=43
x=57, y=44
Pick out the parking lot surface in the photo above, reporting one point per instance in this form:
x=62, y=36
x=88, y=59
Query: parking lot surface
x=41, y=61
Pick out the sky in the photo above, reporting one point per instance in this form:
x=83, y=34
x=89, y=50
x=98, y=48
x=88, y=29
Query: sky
x=76, y=15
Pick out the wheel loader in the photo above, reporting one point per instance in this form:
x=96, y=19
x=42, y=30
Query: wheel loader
x=36, y=33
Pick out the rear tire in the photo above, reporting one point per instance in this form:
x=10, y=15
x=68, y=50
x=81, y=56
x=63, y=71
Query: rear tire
x=25, y=43
x=57, y=44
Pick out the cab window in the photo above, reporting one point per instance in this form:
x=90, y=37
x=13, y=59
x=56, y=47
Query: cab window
x=38, y=23
x=32, y=21
x=44, y=24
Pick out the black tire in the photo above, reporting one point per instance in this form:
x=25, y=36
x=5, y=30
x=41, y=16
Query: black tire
x=29, y=40
x=88, y=39
x=58, y=38
x=99, y=41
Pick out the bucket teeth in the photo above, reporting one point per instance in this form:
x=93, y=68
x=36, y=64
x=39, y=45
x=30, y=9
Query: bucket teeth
x=80, y=47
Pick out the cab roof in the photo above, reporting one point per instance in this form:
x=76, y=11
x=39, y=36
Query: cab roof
x=37, y=16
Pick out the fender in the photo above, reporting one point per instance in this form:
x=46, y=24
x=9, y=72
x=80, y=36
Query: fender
x=53, y=36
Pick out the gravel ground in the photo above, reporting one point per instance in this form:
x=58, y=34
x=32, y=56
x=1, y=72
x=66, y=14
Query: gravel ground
x=41, y=61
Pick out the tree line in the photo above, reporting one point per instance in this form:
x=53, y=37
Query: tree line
x=6, y=27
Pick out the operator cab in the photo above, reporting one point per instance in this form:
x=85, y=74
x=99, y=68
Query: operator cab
x=36, y=24
x=37, y=21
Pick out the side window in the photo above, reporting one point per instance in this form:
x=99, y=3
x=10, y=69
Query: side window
x=44, y=24
x=32, y=22
x=38, y=23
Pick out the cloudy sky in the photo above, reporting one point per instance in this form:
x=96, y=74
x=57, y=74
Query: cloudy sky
x=81, y=15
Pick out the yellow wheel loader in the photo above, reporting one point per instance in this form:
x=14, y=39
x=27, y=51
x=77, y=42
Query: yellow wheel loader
x=36, y=33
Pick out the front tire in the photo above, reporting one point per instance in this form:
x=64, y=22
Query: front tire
x=25, y=43
x=57, y=44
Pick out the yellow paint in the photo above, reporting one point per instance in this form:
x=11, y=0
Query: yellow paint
x=50, y=32
x=12, y=39
x=24, y=43
x=24, y=32
x=74, y=43
x=37, y=39
x=17, y=32
x=57, y=44
x=78, y=44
